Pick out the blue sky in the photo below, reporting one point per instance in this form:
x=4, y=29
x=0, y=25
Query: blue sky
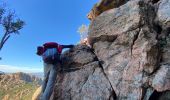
x=46, y=20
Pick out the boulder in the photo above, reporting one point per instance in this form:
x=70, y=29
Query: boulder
x=128, y=58
x=125, y=41
x=115, y=22
x=82, y=79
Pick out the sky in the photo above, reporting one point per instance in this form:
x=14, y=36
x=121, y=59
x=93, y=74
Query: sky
x=46, y=21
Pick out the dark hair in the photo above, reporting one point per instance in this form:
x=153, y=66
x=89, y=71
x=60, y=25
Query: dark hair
x=40, y=50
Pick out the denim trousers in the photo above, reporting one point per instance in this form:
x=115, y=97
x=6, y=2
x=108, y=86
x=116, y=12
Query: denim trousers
x=50, y=74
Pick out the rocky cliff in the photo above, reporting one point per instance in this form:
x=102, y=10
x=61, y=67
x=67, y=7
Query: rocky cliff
x=18, y=86
x=129, y=58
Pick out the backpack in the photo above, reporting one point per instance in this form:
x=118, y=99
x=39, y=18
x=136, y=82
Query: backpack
x=51, y=56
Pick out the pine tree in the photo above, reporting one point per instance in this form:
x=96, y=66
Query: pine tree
x=9, y=24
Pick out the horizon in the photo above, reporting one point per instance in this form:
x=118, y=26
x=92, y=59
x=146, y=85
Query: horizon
x=15, y=69
x=46, y=21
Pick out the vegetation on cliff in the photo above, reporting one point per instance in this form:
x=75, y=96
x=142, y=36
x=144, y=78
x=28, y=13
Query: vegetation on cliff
x=18, y=86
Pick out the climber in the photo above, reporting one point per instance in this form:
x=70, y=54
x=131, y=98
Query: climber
x=50, y=53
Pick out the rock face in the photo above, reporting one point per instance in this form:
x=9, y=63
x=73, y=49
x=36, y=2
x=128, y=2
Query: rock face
x=161, y=81
x=82, y=77
x=102, y=6
x=163, y=13
x=129, y=58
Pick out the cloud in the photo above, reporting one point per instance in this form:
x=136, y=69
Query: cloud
x=12, y=69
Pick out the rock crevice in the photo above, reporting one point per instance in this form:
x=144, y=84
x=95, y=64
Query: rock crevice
x=129, y=58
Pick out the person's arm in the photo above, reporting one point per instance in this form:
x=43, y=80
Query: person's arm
x=67, y=46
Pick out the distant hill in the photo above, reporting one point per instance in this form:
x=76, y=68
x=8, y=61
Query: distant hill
x=1, y=73
x=18, y=86
x=38, y=74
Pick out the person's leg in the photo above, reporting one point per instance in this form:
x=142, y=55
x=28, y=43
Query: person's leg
x=51, y=82
x=46, y=76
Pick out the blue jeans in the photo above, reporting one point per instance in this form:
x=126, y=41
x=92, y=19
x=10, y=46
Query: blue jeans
x=50, y=74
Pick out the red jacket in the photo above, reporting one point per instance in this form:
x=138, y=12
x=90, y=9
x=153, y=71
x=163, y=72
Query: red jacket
x=42, y=49
x=53, y=45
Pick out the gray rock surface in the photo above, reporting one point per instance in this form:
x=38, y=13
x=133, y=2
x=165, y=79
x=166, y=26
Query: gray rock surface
x=164, y=13
x=116, y=22
x=161, y=81
x=129, y=58
x=134, y=52
x=83, y=81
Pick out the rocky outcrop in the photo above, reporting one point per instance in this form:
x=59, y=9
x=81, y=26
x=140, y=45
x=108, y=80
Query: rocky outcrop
x=20, y=76
x=161, y=81
x=102, y=6
x=129, y=58
x=163, y=13
x=18, y=86
x=82, y=77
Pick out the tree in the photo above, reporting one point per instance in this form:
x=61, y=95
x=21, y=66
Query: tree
x=83, y=30
x=10, y=24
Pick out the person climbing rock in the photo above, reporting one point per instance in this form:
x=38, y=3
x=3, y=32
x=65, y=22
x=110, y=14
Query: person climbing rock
x=50, y=53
